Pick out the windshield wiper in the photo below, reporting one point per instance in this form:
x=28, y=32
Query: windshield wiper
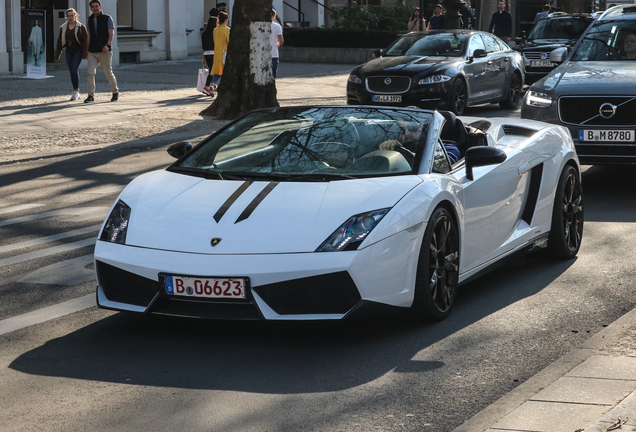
x=319, y=177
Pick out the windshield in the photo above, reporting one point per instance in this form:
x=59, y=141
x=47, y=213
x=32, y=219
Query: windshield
x=317, y=143
x=436, y=44
x=559, y=29
x=608, y=41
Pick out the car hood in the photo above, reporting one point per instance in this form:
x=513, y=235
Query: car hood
x=605, y=78
x=182, y=213
x=404, y=64
x=544, y=44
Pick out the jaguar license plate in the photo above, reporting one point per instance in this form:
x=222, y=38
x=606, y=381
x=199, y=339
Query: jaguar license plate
x=386, y=98
x=216, y=288
x=606, y=135
x=541, y=63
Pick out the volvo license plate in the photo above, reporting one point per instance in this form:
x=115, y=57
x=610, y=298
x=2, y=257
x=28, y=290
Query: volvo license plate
x=216, y=288
x=386, y=98
x=606, y=135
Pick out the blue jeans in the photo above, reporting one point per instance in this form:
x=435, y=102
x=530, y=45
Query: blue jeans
x=274, y=65
x=73, y=60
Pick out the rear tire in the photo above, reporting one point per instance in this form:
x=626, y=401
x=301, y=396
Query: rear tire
x=437, y=268
x=512, y=93
x=565, y=236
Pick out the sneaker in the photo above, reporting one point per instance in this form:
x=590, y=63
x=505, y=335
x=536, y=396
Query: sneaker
x=206, y=91
x=115, y=97
x=90, y=98
x=75, y=96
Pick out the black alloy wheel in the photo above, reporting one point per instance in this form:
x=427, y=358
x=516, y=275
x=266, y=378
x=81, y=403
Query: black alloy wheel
x=565, y=236
x=458, y=97
x=512, y=93
x=437, y=268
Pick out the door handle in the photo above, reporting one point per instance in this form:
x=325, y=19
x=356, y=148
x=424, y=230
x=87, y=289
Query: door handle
x=489, y=62
x=506, y=59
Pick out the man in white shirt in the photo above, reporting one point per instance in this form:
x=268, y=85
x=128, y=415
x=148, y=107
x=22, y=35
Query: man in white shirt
x=277, y=40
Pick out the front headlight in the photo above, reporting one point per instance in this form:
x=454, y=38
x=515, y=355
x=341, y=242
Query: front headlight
x=352, y=232
x=117, y=224
x=538, y=100
x=434, y=79
x=355, y=79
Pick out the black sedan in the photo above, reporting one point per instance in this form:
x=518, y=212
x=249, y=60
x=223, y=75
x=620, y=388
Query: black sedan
x=440, y=69
x=593, y=93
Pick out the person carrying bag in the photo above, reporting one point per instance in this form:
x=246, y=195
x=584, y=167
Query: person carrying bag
x=221, y=41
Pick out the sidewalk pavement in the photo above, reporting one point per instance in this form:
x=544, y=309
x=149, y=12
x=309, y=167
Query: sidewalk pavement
x=592, y=388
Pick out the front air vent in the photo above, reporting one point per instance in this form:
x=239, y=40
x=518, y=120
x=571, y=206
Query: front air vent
x=518, y=130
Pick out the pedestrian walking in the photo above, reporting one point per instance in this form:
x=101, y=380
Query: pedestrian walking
x=207, y=42
x=542, y=14
x=277, y=40
x=417, y=21
x=74, y=38
x=221, y=39
x=501, y=22
x=101, y=32
x=437, y=19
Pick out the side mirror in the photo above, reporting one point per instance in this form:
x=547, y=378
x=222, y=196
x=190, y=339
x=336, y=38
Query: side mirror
x=179, y=149
x=482, y=156
x=480, y=53
x=378, y=53
x=559, y=55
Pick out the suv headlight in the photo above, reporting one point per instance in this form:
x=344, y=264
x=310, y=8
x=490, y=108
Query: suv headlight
x=352, y=232
x=538, y=100
x=355, y=79
x=117, y=224
x=434, y=79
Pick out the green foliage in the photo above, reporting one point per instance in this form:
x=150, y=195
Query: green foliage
x=372, y=18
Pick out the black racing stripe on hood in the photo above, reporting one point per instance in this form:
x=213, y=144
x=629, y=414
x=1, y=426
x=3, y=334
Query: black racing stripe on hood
x=231, y=200
x=256, y=201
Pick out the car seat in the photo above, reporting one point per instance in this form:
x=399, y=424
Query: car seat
x=455, y=131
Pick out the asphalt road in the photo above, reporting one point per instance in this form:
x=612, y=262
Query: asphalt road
x=102, y=371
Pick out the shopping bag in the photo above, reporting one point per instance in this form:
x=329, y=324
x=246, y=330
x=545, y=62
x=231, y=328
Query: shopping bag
x=203, y=76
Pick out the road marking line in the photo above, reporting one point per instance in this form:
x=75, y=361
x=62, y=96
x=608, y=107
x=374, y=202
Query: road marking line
x=70, y=272
x=45, y=314
x=46, y=252
x=51, y=238
x=80, y=213
x=18, y=208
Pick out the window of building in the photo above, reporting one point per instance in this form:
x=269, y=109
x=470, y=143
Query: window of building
x=124, y=13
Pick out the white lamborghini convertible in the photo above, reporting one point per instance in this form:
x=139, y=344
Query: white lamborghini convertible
x=305, y=213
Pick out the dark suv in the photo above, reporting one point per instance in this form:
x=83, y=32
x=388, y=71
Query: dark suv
x=554, y=31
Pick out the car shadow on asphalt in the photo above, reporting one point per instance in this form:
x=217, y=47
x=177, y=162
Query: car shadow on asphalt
x=276, y=357
x=609, y=193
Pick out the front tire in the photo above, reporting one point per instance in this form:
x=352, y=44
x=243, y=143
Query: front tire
x=437, y=268
x=512, y=93
x=565, y=236
x=458, y=98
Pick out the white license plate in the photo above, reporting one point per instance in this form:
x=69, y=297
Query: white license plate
x=224, y=288
x=541, y=63
x=386, y=98
x=606, y=135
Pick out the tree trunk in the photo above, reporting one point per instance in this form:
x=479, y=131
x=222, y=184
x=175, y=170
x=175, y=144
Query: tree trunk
x=247, y=82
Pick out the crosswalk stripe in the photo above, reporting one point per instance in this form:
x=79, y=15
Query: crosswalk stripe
x=46, y=252
x=47, y=239
x=17, y=208
x=48, y=313
x=79, y=214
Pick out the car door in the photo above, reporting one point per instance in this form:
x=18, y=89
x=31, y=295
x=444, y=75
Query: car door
x=497, y=63
x=492, y=209
x=476, y=72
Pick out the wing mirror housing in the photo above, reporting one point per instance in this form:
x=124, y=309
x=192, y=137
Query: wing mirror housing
x=177, y=150
x=482, y=156
x=480, y=53
x=559, y=55
x=378, y=53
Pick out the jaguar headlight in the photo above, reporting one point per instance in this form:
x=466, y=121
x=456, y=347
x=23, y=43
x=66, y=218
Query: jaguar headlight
x=538, y=100
x=352, y=232
x=434, y=79
x=355, y=79
x=117, y=224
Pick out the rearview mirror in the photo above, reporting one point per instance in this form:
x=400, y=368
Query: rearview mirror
x=179, y=149
x=378, y=53
x=480, y=53
x=559, y=55
x=482, y=156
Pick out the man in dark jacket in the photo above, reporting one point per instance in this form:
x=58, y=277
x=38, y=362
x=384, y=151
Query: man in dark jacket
x=501, y=22
x=101, y=31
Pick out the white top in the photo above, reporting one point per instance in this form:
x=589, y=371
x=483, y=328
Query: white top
x=276, y=31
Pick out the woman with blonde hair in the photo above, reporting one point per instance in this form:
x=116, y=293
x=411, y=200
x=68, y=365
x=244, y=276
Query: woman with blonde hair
x=74, y=37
